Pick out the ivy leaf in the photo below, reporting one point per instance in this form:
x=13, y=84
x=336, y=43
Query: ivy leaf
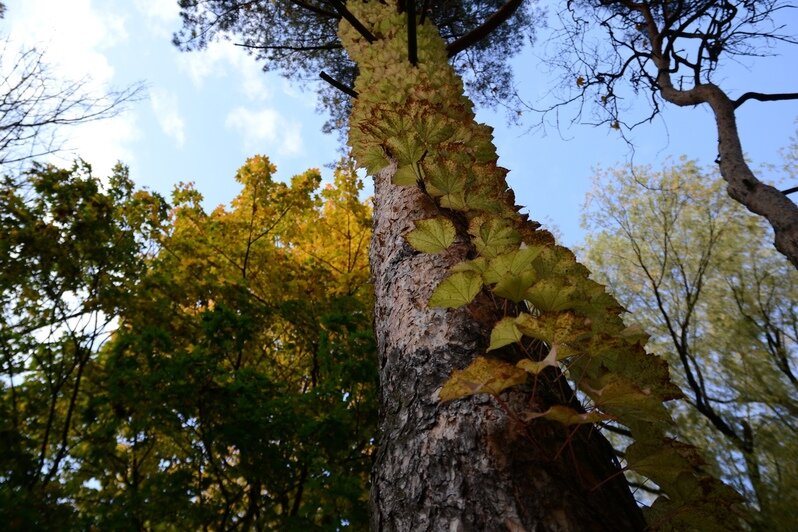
x=665, y=461
x=441, y=181
x=457, y=290
x=373, y=159
x=406, y=148
x=478, y=265
x=559, y=328
x=493, y=236
x=634, y=334
x=536, y=366
x=405, y=176
x=432, y=235
x=455, y=201
x=550, y=295
x=514, y=287
x=504, y=333
x=433, y=129
x=516, y=262
x=483, y=375
x=622, y=397
x=568, y=416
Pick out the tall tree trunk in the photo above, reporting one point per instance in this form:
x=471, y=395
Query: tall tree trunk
x=467, y=464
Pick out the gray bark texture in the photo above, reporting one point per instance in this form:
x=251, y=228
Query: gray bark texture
x=470, y=464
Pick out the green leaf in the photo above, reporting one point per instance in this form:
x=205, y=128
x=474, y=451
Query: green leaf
x=550, y=295
x=442, y=179
x=494, y=236
x=457, y=290
x=433, y=129
x=568, y=416
x=622, y=397
x=554, y=328
x=504, y=333
x=405, y=176
x=455, y=201
x=478, y=265
x=483, y=375
x=373, y=160
x=514, y=287
x=516, y=262
x=432, y=235
x=406, y=148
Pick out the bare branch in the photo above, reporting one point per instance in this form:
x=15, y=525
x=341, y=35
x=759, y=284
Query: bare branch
x=483, y=30
x=762, y=97
x=338, y=85
x=345, y=13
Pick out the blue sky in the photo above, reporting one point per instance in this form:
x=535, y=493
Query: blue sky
x=206, y=112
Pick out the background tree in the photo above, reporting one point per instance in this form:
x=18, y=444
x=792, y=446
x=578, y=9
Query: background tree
x=35, y=105
x=70, y=249
x=236, y=389
x=299, y=39
x=672, y=51
x=695, y=271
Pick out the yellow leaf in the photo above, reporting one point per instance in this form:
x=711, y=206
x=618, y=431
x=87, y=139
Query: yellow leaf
x=432, y=235
x=569, y=416
x=535, y=367
x=483, y=375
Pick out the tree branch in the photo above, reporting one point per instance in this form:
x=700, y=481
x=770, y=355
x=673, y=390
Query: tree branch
x=314, y=9
x=345, y=13
x=764, y=97
x=338, y=85
x=483, y=30
x=299, y=48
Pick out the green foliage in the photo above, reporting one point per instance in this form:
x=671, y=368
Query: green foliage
x=551, y=298
x=699, y=273
x=299, y=40
x=69, y=247
x=237, y=390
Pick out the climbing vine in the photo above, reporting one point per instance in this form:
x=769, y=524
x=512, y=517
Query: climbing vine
x=416, y=117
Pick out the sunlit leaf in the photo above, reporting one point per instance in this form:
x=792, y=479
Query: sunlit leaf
x=514, y=287
x=493, y=236
x=457, y=290
x=536, y=366
x=504, y=333
x=550, y=295
x=554, y=328
x=516, y=262
x=432, y=235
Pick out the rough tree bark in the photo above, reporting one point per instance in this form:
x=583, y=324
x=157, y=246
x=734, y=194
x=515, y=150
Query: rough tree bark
x=467, y=464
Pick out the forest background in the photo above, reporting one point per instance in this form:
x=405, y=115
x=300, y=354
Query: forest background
x=324, y=284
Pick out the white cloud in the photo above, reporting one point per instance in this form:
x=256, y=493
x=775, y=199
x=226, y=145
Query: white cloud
x=102, y=144
x=165, y=11
x=266, y=127
x=221, y=58
x=164, y=105
x=75, y=36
